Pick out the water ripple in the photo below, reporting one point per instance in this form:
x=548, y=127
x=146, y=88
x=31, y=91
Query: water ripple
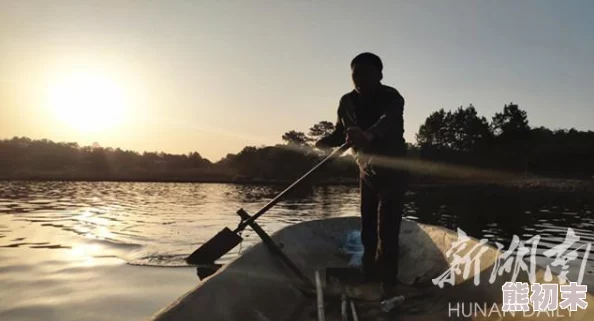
x=158, y=224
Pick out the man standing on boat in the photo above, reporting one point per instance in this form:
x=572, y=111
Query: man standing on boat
x=371, y=119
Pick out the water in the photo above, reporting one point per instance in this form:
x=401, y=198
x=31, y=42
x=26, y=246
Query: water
x=149, y=223
x=75, y=250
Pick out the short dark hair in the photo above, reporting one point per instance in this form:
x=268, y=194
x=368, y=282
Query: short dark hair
x=368, y=58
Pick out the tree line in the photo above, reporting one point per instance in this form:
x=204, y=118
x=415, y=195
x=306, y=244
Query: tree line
x=506, y=142
x=25, y=158
x=460, y=136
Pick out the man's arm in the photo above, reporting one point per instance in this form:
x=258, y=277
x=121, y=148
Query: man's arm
x=392, y=121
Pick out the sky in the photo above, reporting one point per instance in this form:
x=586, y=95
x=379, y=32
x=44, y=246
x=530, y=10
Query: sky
x=215, y=76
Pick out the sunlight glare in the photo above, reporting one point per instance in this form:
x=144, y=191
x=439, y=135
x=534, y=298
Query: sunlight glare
x=85, y=252
x=87, y=101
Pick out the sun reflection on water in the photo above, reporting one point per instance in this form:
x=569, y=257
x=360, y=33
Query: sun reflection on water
x=85, y=253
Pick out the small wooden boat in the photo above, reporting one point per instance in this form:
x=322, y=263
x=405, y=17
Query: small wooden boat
x=258, y=286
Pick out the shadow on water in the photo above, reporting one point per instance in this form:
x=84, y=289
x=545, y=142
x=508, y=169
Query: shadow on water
x=265, y=193
x=507, y=211
x=500, y=213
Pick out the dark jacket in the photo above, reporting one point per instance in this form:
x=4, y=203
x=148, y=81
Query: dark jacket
x=381, y=114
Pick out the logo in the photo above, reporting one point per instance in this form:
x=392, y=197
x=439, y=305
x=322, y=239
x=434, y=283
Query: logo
x=524, y=297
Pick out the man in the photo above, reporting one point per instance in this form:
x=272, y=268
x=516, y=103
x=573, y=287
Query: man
x=370, y=118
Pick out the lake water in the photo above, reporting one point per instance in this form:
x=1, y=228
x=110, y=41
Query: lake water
x=114, y=251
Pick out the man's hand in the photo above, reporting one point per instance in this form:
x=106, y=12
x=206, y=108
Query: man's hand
x=357, y=137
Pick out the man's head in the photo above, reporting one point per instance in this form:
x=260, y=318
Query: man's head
x=366, y=72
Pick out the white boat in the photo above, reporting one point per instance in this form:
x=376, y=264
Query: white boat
x=258, y=286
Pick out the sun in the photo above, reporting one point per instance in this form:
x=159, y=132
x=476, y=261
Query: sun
x=87, y=101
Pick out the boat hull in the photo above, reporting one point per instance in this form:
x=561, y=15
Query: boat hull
x=257, y=286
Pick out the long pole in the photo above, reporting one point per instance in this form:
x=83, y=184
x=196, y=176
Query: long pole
x=275, y=200
x=320, y=295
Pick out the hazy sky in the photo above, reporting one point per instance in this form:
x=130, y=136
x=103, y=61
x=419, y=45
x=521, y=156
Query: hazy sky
x=214, y=76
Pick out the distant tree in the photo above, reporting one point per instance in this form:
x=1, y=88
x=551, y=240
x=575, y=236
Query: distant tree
x=413, y=150
x=467, y=131
x=295, y=138
x=196, y=161
x=460, y=136
x=97, y=160
x=462, y=130
x=512, y=122
x=511, y=143
x=433, y=133
x=320, y=130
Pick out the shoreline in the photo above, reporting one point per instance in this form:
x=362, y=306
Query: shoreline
x=173, y=180
x=559, y=184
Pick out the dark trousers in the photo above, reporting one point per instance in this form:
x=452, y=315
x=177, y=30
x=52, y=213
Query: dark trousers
x=382, y=207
